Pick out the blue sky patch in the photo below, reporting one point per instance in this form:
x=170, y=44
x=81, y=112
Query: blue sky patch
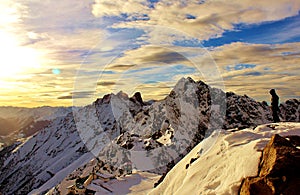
x=108, y=72
x=243, y=66
x=239, y=67
x=282, y=31
x=253, y=74
x=189, y=16
x=156, y=74
x=188, y=43
x=152, y=3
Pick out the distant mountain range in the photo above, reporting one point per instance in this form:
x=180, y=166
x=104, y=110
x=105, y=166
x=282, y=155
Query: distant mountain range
x=120, y=134
x=17, y=122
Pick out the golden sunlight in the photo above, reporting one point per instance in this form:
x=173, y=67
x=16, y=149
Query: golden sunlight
x=15, y=58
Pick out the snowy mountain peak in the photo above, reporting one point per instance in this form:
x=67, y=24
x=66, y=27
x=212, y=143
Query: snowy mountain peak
x=137, y=97
x=104, y=100
x=183, y=83
x=122, y=94
x=129, y=134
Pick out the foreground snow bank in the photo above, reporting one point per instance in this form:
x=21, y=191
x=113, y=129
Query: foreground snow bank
x=234, y=155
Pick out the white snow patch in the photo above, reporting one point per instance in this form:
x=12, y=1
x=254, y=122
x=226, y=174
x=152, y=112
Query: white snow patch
x=235, y=155
x=58, y=177
x=137, y=183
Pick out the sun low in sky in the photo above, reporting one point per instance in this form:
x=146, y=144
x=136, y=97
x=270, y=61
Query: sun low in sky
x=55, y=52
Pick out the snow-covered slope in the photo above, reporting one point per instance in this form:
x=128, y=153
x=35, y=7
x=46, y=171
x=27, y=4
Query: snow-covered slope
x=234, y=156
x=41, y=157
x=137, y=183
x=53, y=153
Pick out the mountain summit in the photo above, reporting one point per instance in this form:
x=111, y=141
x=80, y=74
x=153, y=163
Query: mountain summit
x=124, y=134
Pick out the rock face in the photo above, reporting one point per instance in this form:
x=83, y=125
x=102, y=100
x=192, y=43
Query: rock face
x=243, y=112
x=137, y=97
x=34, y=162
x=290, y=110
x=279, y=171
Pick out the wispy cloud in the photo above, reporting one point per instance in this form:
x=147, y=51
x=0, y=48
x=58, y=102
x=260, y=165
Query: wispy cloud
x=289, y=32
x=105, y=46
x=77, y=95
x=209, y=19
x=106, y=83
x=272, y=68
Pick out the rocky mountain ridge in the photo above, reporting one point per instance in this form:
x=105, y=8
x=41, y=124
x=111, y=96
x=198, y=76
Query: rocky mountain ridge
x=126, y=131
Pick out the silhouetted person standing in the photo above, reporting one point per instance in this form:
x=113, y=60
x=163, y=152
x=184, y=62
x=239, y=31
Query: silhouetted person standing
x=274, y=105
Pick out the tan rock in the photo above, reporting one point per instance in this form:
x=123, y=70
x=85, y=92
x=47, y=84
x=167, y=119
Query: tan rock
x=279, y=169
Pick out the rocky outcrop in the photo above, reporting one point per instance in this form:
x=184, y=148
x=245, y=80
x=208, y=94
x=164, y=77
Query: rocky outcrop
x=290, y=110
x=279, y=169
x=137, y=97
x=243, y=112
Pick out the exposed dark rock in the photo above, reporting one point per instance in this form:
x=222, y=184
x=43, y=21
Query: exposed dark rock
x=193, y=160
x=137, y=97
x=156, y=135
x=128, y=145
x=290, y=110
x=6, y=151
x=243, y=112
x=160, y=180
x=51, y=174
x=170, y=165
x=279, y=169
x=187, y=166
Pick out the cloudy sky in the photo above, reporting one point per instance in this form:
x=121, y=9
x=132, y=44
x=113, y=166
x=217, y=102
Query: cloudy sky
x=71, y=52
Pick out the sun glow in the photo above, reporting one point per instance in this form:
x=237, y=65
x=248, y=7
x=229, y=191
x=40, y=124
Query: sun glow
x=16, y=59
